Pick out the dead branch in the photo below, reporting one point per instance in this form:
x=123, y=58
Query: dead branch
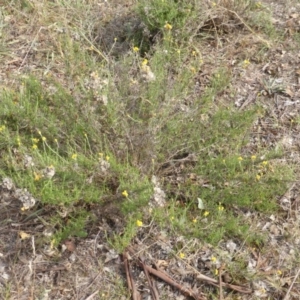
x=163, y=276
x=215, y=282
x=92, y=295
x=153, y=289
x=135, y=294
x=220, y=282
x=286, y=297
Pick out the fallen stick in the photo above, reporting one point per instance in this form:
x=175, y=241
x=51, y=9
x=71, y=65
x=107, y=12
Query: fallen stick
x=135, y=294
x=220, y=282
x=286, y=297
x=153, y=290
x=215, y=282
x=168, y=280
x=164, y=276
x=90, y=297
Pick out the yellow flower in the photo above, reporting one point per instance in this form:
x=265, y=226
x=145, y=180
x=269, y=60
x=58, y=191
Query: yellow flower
x=74, y=156
x=136, y=49
x=125, y=194
x=246, y=63
x=34, y=146
x=194, y=220
x=107, y=157
x=240, y=158
x=258, y=4
x=52, y=243
x=2, y=128
x=257, y=177
x=35, y=141
x=44, y=139
x=206, y=213
x=168, y=26
x=213, y=259
x=37, y=176
x=264, y=163
x=216, y=272
x=279, y=272
x=139, y=223
x=56, y=141
x=23, y=235
x=145, y=62
x=132, y=82
x=18, y=141
x=181, y=255
x=94, y=75
x=253, y=157
x=194, y=53
x=220, y=207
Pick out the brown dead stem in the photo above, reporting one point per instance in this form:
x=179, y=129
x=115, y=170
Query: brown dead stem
x=165, y=277
x=135, y=294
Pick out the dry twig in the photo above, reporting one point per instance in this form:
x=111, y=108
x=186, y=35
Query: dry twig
x=291, y=286
x=135, y=294
x=220, y=282
x=90, y=297
x=215, y=282
x=153, y=290
x=163, y=276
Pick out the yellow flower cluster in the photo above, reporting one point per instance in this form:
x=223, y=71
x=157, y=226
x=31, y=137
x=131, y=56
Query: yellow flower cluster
x=100, y=154
x=213, y=259
x=220, y=207
x=43, y=138
x=125, y=193
x=246, y=63
x=168, y=26
x=262, y=170
x=139, y=223
x=34, y=143
x=37, y=176
x=206, y=213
